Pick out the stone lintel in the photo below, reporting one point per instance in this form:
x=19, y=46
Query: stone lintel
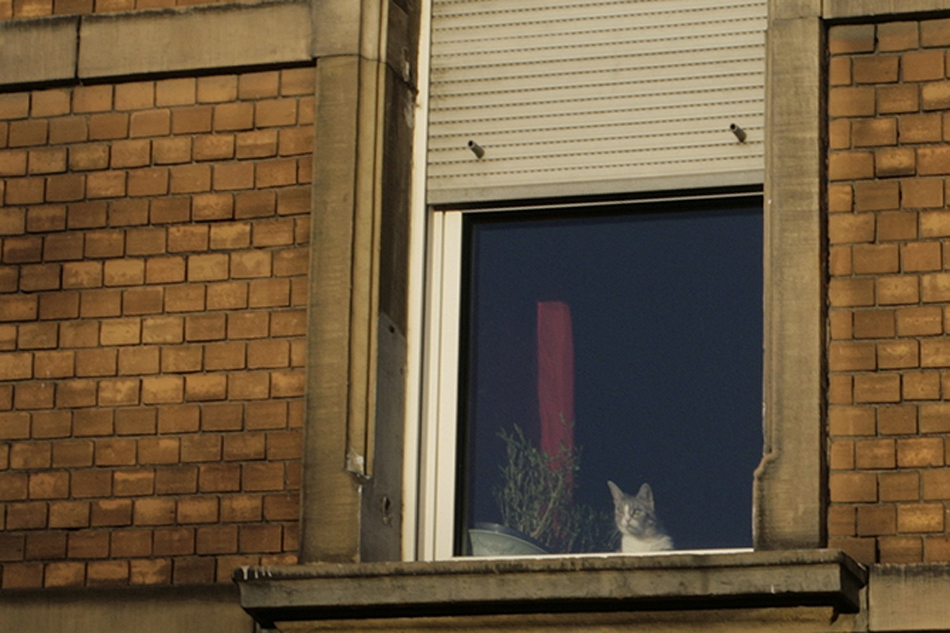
x=909, y=597
x=202, y=37
x=843, y=9
x=38, y=50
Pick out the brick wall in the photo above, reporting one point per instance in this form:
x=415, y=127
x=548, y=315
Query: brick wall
x=889, y=290
x=14, y=9
x=152, y=290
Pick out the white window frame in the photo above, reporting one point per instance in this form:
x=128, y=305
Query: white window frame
x=438, y=452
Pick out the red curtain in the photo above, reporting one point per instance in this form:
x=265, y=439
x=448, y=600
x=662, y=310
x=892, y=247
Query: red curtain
x=555, y=377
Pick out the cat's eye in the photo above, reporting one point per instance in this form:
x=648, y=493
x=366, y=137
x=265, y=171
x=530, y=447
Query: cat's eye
x=624, y=345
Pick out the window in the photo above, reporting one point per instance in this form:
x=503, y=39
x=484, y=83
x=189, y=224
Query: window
x=577, y=344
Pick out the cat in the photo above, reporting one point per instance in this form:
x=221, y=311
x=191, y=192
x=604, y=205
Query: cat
x=636, y=519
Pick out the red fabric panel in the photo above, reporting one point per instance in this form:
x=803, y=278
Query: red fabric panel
x=555, y=376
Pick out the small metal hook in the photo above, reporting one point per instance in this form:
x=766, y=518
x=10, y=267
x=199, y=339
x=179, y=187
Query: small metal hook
x=738, y=131
x=477, y=149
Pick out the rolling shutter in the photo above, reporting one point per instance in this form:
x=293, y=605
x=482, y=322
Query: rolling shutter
x=610, y=95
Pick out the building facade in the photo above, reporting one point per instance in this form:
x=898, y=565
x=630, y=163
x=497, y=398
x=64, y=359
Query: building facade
x=234, y=243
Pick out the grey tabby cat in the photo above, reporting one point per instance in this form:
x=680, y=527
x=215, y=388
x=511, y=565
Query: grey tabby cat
x=635, y=516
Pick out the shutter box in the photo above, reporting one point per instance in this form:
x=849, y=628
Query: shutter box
x=593, y=96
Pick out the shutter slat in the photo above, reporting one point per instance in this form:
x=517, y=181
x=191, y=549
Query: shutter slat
x=592, y=90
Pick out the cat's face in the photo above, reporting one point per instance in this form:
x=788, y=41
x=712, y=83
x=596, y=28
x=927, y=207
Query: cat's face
x=634, y=515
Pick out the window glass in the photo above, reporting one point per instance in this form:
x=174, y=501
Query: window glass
x=623, y=346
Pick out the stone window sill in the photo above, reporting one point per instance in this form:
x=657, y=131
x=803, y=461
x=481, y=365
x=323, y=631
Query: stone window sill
x=479, y=587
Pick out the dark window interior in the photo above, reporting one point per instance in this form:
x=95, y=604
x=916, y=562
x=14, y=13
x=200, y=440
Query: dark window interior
x=647, y=320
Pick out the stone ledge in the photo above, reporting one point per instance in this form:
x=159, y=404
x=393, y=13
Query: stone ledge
x=841, y=9
x=155, y=42
x=909, y=597
x=536, y=585
x=22, y=40
x=201, y=37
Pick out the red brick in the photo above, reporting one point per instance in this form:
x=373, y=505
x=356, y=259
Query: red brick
x=154, y=511
x=276, y=173
x=249, y=386
x=150, y=571
x=853, y=487
x=877, y=388
x=192, y=120
x=193, y=570
x=921, y=386
x=897, y=36
x=205, y=387
x=920, y=452
x=13, y=486
x=922, y=66
x=138, y=421
x=231, y=176
x=159, y=270
x=920, y=517
x=176, y=480
x=91, y=483
x=175, y=92
x=288, y=323
x=30, y=515
x=222, y=417
x=241, y=508
x=70, y=129
x=897, y=289
x=876, y=520
x=898, y=161
x=265, y=476
x=295, y=141
x=297, y=81
x=217, y=206
x=198, y=510
x=233, y=116
x=28, y=133
x=282, y=507
x=52, y=424
x=201, y=448
x=208, y=267
x=69, y=514
x=92, y=422
x=256, y=144
x=131, y=543
x=162, y=389
x=260, y=538
x=111, y=512
x=227, y=296
x=163, y=329
x=79, y=334
x=21, y=250
x=258, y=85
x=72, y=454
x=230, y=236
x=125, y=331
x=219, y=478
x=214, y=147
x=876, y=69
x=150, y=123
x=118, y=392
x=219, y=539
x=897, y=99
x=23, y=575
x=267, y=293
x=181, y=359
x=268, y=354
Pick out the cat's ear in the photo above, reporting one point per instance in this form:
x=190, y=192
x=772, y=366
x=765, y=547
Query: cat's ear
x=615, y=491
x=646, y=495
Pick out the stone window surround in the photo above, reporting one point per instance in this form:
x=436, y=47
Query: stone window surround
x=790, y=484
